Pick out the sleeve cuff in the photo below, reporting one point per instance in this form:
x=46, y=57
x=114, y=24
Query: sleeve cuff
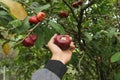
x=56, y=67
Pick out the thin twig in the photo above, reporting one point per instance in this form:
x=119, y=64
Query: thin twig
x=29, y=32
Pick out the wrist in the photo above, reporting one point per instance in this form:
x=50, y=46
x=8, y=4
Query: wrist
x=58, y=59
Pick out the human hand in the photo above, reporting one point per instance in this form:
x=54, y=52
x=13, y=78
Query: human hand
x=58, y=54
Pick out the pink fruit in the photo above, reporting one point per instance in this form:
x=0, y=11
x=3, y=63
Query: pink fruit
x=41, y=16
x=27, y=42
x=62, y=41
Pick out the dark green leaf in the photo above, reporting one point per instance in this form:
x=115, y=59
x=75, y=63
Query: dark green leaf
x=47, y=6
x=57, y=27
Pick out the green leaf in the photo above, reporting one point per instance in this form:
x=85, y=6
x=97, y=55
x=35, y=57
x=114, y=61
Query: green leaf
x=48, y=34
x=15, y=23
x=39, y=43
x=47, y=6
x=25, y=26
x=117, y=76
x=115, y=57
x=88, y=35
x=112, y=31
x=57, y=27
x=3, y=13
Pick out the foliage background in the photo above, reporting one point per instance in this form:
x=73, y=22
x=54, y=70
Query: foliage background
x=94, y=26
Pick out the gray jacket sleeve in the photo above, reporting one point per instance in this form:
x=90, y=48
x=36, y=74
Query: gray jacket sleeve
x=54, y=70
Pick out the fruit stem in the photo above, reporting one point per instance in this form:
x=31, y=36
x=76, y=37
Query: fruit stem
x=34, y=27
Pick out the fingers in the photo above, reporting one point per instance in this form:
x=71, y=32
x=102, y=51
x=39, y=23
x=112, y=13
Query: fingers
x=72, y=46
x=52, y=40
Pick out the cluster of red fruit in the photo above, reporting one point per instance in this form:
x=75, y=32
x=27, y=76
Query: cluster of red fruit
x=62, y=41
x=37, y=18
x=30, y=40
x=64, y=14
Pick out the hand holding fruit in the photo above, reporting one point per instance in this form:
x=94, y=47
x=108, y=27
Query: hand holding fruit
x=63, y=41
x=59, y=53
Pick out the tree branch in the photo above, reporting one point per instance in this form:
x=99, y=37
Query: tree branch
x=79, y=26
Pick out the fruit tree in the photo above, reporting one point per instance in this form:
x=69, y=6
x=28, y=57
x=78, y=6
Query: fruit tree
x=26, y=27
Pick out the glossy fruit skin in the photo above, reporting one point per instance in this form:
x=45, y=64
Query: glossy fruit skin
x=29, y=41
x=63, y=14
x=62, y=41
x=34, y=37
x=75, y=4
x=33, y=20
x=41, y=16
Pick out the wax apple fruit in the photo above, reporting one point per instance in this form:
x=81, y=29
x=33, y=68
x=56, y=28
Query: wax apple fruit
x=41, y=16
x=75, y=4
x=62, y=41
x=63, y=14
x=30, y=40
x=27, y=42
x=80, y=2
x=33, y=20
x=34, y=37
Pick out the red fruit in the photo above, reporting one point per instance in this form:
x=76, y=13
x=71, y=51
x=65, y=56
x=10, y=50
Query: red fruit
x=41, y=16
x=62, y=41
x=63, y=14
x=33, y=20
x=28, y=42
x=34, y=37
x=79, y=2
x=75, y=4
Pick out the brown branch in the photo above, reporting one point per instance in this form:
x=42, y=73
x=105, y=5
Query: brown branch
x=71, y=9
x=79, y=26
